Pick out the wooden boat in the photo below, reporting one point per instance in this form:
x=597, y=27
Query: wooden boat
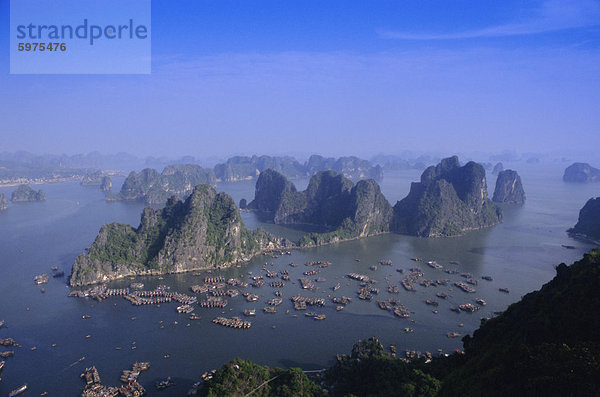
x=18, y=391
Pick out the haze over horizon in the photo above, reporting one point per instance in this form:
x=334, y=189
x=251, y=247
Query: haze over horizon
x=338, y=78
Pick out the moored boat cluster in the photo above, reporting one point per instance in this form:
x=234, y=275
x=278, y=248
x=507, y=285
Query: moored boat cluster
x=234, y=322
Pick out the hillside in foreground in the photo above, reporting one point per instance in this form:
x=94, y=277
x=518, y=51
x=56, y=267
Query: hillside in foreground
x=547, y=344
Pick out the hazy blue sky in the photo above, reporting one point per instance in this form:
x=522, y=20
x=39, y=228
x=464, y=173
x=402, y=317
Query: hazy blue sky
x=334, y=77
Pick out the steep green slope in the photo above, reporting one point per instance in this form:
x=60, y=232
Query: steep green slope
x=547, y=344
x=204, y=231
x=330, y=200
x=448, y=201
x=154, y=188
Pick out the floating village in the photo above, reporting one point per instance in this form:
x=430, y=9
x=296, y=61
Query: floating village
x=268, y=289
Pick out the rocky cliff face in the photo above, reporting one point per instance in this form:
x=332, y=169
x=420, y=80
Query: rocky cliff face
x=581, y=173
x=92, y=178
x=499, y=167
x=3, y=202
x=588, y=225
x=270, y=188
x=204, y=231
x=241, y=167
x=350, y=167
x=154, y=188
x=25, y=193
x=448, y=201
x=509, y=189
x=106, y=184
x=330, y=200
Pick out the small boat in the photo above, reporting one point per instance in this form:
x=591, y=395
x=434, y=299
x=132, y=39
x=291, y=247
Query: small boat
x=487, y=278
x=506, y=290
x=569, y=247
x=18, y=391
x=86, y=316
x=480, y=301
x=339, y=308
x=1, y=366
x=452, y=334
x=249, y=312
x=1, y=323
x=409, y=330
x=337, y=286
x=163, y=384
x=320, y=317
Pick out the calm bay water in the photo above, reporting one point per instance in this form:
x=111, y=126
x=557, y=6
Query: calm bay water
x=519, y=254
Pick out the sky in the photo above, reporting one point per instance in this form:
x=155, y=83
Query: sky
x=331, y=77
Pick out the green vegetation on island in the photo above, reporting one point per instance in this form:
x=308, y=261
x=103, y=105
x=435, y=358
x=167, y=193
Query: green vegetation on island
x=25, y=193
x=202, y=232
x=154, y=188
x=330, y=200
x=448, y=201
x=509, y=188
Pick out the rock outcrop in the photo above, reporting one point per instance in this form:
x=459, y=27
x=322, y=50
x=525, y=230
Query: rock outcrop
x=581, y=173
x=509, y=189
x=154, y=188
x=242, y=167
x=499, y=167
x=106, y=185
x=330, y=200
x=3, y=202
x=202, y=232
x=92, y=178
x=25, y=193
x=588, y=225
x=448, y=201
x=270, y=189
x=350, y=167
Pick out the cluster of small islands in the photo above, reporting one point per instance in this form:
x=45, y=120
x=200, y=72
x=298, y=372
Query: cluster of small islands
x=199, y=229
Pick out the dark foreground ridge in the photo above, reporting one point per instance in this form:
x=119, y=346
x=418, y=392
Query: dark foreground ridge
x=547, y=344
x=202, y=232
